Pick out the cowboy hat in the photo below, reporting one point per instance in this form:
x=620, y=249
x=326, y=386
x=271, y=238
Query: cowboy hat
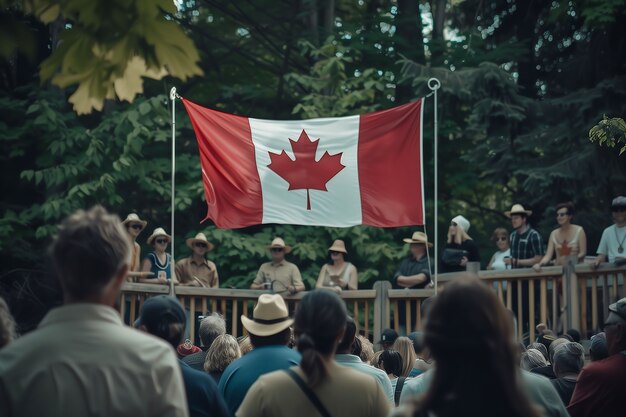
x=517, y=209
x=418, y=237
x=338, y=246
x=134, y=218
x=279, y=243
x=200, y=237
x=159, y=231
x=270, y=316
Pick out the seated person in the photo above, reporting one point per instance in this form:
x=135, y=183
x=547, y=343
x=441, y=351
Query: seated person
x=338, y=274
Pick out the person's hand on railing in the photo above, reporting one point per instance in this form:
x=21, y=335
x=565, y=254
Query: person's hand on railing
x=537, y=267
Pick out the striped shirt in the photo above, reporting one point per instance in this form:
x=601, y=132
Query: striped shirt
x=526, y=245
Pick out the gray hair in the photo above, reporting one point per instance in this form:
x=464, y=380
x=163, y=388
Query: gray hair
x=210, y=328
x=222, y=353
x=532, y=359
x=88, y=251
x=7, y=324
x=568, y=358
x=540, y=347
x=555, y=344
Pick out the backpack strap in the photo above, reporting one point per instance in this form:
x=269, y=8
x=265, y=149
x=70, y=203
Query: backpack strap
x=399, y=385
x=309, y=393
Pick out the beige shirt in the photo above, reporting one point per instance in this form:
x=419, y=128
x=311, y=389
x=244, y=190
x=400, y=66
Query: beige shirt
x=206, y=272
x=346, y=278
x=284, y=272
x=82, y=361
x=345, y=392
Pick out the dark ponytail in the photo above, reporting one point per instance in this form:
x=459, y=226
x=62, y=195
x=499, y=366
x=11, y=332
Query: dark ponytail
x=319, y=321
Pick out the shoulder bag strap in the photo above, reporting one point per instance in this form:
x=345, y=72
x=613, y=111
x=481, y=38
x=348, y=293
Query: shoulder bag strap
x=399, y=385
x=309, y=393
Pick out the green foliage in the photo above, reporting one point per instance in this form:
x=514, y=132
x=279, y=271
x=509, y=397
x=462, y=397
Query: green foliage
x=609, y=132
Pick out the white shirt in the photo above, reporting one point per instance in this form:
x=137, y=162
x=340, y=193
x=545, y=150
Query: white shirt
x=83, y=361
x=498, y=260
x=609, y=242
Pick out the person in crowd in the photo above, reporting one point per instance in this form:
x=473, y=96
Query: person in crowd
x=337, y=274
x=246, y=346
x=390, y=361
x=460, y=248
x=186, y=349
x=501, y=238
x=159, y=262
x=278, y=275
x=163, y=316
x=103, y=364
x=134, y=226
x=210, y=328
x=526, y=244
x=468, y=321
x=374, y=361
x=569, y=359
x=598, y=349
x=404, y=346
x=269, y=334
x=541, y=348
x=531, y=359
x=600, y=387
x=196, y=270
x=423, y=362
x=612, y=245
x=222, y=353
x=367, y=348
x=320, y=322
x=566, y=240
x=548, y=370
x=574, y=334
x=7, y=324
x=345, y=358
x=387, y=338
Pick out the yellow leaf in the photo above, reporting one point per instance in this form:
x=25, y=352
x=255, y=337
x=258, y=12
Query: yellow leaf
x=82, y=100
x=131, y=83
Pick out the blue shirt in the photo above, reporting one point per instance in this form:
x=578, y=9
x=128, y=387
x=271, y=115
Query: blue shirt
x=160, y=270
x=203, y=397
x=354, y=362
x=239, y=376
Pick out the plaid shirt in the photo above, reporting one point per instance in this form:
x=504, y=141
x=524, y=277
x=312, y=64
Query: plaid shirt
x=526, y=245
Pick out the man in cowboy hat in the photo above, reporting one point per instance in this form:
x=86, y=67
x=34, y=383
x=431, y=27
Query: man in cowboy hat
x=278, y=275
x=134, y=226
x=526, y=243
x=613, y=242
x=269, y=331
x=93, y=363
x=196, y=270
x=414, y=271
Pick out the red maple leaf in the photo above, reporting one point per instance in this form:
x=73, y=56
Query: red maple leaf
x=305, y=173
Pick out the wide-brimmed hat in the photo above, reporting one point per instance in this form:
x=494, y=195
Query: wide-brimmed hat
x=619, y=309
x=279, y=243
x=418, y=237
x=200, y=237
x=270, y=316
x=159, y=231
x=134, y=218
x=462, y=222
x=338, y=246
x=517, y=209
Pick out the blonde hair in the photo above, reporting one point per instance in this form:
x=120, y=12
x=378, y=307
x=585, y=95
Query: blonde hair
x=404, y=346
x=367, y=349
x=459, y=237
x=245, y=345
x=374, y=361
x=222, y=352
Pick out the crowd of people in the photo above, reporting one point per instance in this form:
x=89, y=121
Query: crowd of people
x=83, y=360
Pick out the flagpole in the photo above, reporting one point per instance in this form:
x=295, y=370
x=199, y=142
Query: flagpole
x=434, y=84
x=173, y=97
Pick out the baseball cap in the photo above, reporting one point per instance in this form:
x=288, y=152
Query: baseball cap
x=160, y=308
x=388, y=336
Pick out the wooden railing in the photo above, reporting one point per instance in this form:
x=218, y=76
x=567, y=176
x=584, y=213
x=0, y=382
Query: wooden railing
x=524, y=291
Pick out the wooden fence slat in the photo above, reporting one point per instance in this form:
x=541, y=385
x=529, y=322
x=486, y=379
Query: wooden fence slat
x=520, y=318
x=396, y=316
x=531, y=308
x=594, y=304
x=204, y=306
x=543, y=290
x=509, y=295
x=582, y=286
x=367, y=319
x=192, y=319
x=355, y=310
x=418, y=315
x=234, y=318
x=407, y=314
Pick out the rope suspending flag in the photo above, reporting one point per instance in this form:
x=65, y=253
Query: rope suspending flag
x=339, y=172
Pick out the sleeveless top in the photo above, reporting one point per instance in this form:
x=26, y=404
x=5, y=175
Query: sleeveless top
x=564, y=248
x=342, y=282
x=157, y=268
x=498, y=260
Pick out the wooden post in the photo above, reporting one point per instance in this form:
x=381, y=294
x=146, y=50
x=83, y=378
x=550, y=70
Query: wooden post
x=381, y=308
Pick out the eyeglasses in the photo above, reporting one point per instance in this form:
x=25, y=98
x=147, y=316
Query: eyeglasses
x=562, y=214
x=136, y=226
x=277, y=250
x=619, y=209
x=161, y=241
x=200, y=245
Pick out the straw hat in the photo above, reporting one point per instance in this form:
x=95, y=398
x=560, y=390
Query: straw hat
x=134, y=218
x=517, y=209
x=270, y=316
x=418, y=237
x=200, y=237
x=338, y=246
x=279, y=243
x=159, y=231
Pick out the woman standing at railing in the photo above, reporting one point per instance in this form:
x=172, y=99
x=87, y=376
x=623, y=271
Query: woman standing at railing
x=338, y=274
x=159, y=262
x=501, y=238
x=567, y=240
x=460, y=248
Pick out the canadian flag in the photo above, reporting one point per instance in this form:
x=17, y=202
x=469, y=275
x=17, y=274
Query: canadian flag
x=340, y=172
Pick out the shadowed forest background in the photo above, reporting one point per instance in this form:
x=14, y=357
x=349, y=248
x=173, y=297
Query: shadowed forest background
x=523, y=82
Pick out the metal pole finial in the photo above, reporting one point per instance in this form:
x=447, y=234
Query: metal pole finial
x=174, y=95
x=434, y=84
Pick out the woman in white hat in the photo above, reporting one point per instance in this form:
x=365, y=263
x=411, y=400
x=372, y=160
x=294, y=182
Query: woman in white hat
x=460, y=248
x=337, y=274
x=159, y=262
x=134, y=226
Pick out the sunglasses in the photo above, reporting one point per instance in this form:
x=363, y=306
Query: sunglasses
x=562, y=214
x=277, y=250
x=334, y=252
x=619, y=209
x=200, y=245
x=501, y=239
x=136, y=226
x=161, y=241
